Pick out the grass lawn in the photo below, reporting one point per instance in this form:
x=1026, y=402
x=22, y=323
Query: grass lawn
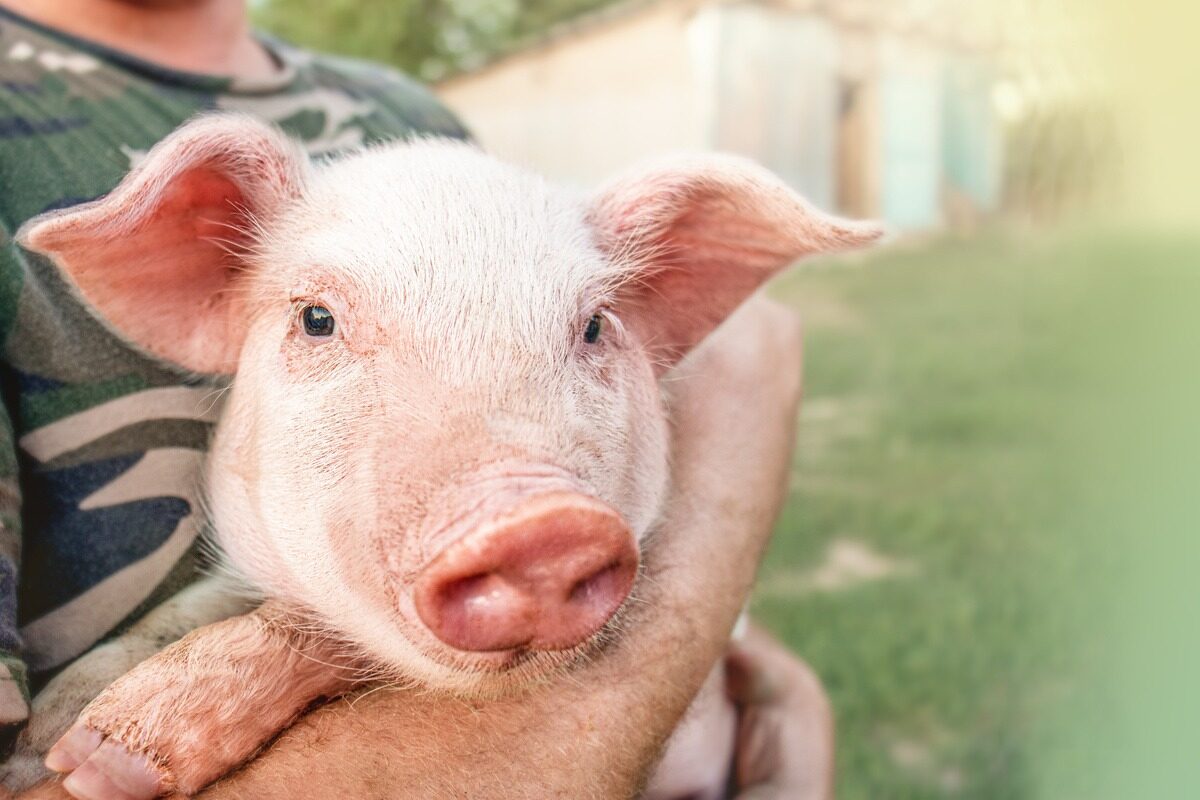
x=932, y=562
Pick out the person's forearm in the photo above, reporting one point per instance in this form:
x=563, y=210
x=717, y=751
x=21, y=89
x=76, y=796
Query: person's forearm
x=595, y=732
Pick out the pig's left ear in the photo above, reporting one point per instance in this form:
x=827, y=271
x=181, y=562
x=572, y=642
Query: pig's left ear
x=160, y=257
x=704, y=232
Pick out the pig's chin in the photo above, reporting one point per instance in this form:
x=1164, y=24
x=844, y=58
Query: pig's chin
x=504, y=670
x=483, y=674
x=488, y=674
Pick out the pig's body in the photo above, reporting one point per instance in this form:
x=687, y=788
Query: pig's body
x=445, y=444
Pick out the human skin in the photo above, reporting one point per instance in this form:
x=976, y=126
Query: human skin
x=205, y=36
x=596, y=732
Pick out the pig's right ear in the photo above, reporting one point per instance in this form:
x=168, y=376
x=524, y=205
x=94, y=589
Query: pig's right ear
x=160, y=257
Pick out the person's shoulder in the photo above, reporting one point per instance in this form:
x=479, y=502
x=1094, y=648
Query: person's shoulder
x=397, y=94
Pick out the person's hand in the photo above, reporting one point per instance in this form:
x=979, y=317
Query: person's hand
x=784, y=746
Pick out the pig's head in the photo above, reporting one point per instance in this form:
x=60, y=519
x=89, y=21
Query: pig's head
x=445, y=435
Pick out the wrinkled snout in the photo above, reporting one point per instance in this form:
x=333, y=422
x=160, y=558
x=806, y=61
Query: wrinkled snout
x=545, y=576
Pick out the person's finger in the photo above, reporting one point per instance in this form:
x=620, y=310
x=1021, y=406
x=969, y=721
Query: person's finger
x=784, y=746
x=748, y=679
x=760, y=755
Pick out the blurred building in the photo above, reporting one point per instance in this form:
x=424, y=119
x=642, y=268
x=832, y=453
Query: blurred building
x=876, y=108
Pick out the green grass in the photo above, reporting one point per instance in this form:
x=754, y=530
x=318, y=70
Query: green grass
x=946, y=426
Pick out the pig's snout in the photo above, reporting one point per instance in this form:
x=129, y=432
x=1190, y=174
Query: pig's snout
x=546, y=576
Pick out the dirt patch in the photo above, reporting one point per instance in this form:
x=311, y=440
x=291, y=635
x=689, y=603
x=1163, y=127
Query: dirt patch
x=848, y=563
x=827, y=423
x=923, y=760
x=820, y=307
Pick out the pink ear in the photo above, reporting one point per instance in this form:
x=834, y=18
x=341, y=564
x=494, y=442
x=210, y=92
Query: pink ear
x=160, y=256
x=704, y=232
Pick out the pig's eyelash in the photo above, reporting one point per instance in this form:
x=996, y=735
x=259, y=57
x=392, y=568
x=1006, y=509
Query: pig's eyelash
x=614, y=328
x=612, y=319
x=594, y=351
x=299, y=302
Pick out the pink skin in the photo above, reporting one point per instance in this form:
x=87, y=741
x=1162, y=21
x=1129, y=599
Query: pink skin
x=211, y=37
x=454, y=484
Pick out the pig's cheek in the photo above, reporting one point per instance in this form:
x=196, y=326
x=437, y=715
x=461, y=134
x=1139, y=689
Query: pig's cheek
x=357, y=529
x=627, y=461
x=234, y=474
x=307, y=496
x=647, y=474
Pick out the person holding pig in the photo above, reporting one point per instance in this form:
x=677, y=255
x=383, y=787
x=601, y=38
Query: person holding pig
x=99, y=512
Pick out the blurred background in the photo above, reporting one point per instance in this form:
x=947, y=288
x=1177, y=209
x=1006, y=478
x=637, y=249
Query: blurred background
x=990, y=549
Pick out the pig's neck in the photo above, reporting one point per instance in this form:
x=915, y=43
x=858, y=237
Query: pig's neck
x=205, y=36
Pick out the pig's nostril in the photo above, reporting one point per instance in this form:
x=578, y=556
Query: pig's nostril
x=599, y=587
x=483, y=609
x=473, y=591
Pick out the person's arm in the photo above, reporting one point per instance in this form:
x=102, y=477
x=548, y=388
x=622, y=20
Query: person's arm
x=597, y=731
x=14, y=696
x=14, y=693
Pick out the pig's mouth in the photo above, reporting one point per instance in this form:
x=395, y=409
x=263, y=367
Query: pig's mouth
x=499, y=673
x=506, y=673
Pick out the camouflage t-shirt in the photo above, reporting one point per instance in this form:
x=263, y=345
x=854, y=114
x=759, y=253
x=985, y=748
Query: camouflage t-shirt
x=100, y=447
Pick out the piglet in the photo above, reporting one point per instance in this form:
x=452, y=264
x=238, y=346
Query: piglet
x=445, y=441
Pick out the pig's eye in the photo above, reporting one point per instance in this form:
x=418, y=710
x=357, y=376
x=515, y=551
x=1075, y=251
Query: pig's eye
x=595, y=326
x=317, y=321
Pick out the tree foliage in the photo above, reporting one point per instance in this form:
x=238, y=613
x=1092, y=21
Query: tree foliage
x=427, y=38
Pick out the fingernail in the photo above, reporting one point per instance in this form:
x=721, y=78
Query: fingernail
x=89, y=783
x=73, y=749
